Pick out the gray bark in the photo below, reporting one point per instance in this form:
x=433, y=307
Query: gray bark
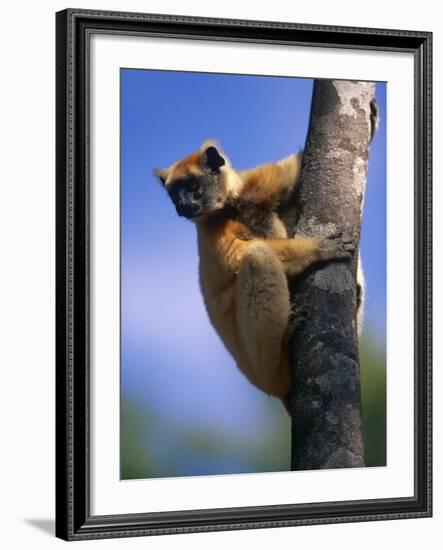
x=325, y=399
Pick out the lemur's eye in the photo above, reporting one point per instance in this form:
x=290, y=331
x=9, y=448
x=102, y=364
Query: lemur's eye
x=193, y=185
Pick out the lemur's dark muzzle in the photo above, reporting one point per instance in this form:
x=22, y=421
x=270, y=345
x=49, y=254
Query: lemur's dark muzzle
x=188, y=210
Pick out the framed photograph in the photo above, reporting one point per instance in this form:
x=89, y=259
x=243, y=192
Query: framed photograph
x=243, y=274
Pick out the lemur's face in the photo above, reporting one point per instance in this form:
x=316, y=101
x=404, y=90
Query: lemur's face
x=193, y=183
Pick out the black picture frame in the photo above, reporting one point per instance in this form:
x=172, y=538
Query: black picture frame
x=73, y=518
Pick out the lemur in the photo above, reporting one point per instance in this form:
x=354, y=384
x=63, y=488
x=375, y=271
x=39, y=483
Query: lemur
x=246, y=256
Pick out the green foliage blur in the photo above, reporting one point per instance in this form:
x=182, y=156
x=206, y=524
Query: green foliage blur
x=195, y=450
x=373, y=387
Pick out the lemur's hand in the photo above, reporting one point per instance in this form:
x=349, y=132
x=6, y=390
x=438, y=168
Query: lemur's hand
x=336, y=245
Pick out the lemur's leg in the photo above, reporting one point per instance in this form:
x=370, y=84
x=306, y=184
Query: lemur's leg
x=300, y=252
x=263, y=304
x=263, y=307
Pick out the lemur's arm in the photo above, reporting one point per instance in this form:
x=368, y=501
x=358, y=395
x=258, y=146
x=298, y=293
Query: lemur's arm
x=273, y=182
x=298, y=253
x=295, y=254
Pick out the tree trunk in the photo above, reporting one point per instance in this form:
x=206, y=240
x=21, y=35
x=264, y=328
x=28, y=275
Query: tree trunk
x=326, y=399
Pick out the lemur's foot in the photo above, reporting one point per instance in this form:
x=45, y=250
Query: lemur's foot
x=297, y=318
x=338, y=244
x=375, y=118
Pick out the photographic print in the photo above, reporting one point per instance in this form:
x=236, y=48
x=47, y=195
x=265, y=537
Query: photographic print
x=214, y=260
x=244, y=315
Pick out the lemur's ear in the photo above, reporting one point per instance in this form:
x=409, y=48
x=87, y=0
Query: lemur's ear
x=213, y=159
x=161, y=174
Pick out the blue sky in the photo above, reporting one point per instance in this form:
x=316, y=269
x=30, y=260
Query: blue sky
x=171, y=357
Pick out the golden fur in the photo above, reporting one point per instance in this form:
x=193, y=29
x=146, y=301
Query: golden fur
x=246, y=257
